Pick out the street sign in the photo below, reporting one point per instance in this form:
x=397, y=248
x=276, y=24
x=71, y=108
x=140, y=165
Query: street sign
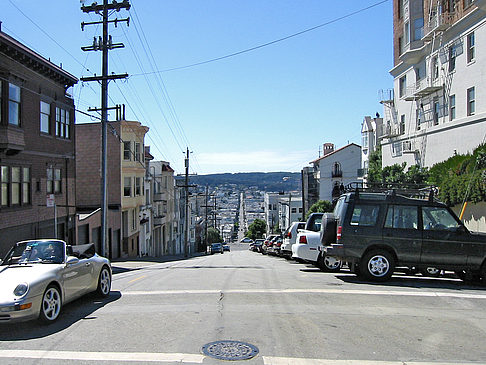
x=50, y=200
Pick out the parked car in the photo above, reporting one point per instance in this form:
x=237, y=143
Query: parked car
x=308, y=244
x=38, y=277
x=226, y=248
x=246, y=240
x=289, y=237
x=266, y=243
x=375, y=232
x=257, y=245
x=216, y=248
x=272, y=246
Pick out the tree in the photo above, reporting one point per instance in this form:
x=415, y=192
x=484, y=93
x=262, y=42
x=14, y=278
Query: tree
x=374, y=167
x=257, y=229
x=322, y=206
x=213, y=235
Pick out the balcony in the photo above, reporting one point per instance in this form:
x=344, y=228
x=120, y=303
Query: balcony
x=413, y=52
x=438, y=23
x=337, y=173
x=422, y=88
x=410, y=146
x=386, y=96
x=11, y=139
x=391, y=131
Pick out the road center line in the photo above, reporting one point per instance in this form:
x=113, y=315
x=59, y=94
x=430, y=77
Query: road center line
x=269, y=360
x=103, y=356
x=311, y=291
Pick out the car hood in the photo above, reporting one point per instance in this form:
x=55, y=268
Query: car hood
x=13, y=275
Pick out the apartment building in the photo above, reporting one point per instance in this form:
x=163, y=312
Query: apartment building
x=437, y=107
x=37, y=154
x=371, y=136
x=125, y=181
x=336, y=168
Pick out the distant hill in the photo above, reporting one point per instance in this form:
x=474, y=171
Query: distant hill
x=266, y=181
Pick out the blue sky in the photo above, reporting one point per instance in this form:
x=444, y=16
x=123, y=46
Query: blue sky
x=265, y=110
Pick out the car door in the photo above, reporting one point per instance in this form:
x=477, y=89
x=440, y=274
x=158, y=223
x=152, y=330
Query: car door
x=77, y=277
x=401, y=231
x=444, y=242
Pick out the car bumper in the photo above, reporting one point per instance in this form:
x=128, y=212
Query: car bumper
x=334, y=250
x=304, y=252
x=22, y=310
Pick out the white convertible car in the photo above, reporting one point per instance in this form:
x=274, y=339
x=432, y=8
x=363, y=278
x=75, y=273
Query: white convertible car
x=38, y=277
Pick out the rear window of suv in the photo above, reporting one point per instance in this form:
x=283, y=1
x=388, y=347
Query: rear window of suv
x=365, y=215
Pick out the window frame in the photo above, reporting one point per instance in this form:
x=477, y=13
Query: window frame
x=471, y=102
x=129, y=186
x=14, y=102
x=53, y=180
x=44, y=114
x=470, y=44
x=63, y=123
x=391, y=223
x=452, y=107
x=127, y=155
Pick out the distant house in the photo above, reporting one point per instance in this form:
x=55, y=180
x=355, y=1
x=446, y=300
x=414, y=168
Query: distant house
x=336, y=168
x=37, y=155
x=371, y=136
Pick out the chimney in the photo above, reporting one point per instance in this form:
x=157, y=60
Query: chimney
x=327, y=148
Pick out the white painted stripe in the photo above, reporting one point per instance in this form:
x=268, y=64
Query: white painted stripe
x=268, y=360
x=103, y=356
x=311, y=291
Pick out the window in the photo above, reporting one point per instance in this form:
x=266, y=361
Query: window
x=402, y=124
x=452, y=58
x=126, y=151
x=127, y=186
x=62, y=123
x=438, y=218
x=452, y=107
x=404, y=217
x=294, y=210
x=137, y=152
x=26, y=185
x=436, y=111
x=470, y=47
x=15, y=186
x=435, y=68
x=471, y=101
x=133, y=213
x=336, y=170
x=365, y=215
x=402, y=86
x=468, y=3
x=418, y=31
x=137, y=186
x=5, y=180
x=364, y=140
x=13, y=104
x=53, y=181
x=45, y=116
x=420, y=71
x=406, y=32
x=419, y=117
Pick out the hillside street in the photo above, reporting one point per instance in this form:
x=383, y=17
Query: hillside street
x=166, y=311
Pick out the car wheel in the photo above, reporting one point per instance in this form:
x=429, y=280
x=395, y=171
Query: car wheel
x=330, y=264
x=104, y=282
x=377, y=265
x=50, y=305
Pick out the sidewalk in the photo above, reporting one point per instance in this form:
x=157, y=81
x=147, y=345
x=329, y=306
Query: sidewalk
x=121, y=265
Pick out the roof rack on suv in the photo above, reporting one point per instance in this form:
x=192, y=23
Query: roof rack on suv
x=418, y=191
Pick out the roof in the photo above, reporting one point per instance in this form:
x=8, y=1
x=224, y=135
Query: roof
x=334, y=152
x=12, y=48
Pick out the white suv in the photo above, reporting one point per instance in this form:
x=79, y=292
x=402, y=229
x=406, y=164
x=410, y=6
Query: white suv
x=289, y=238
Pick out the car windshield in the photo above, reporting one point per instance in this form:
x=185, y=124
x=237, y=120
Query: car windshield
x=36, y=252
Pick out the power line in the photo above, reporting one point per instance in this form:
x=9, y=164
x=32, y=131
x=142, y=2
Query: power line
x=268, y=43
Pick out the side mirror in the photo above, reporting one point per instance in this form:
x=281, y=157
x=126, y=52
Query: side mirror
x=72, y=260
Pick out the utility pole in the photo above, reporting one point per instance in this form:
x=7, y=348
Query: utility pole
x=206, y=218
x=104, y=44
x=186, y=189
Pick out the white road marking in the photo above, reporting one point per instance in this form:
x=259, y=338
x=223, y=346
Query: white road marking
x=103, y=356
x=269, y=360
x=436, y=294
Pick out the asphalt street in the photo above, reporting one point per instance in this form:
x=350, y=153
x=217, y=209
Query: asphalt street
x=165, y=312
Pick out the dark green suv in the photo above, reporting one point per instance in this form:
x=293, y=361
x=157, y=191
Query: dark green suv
x=375, y=232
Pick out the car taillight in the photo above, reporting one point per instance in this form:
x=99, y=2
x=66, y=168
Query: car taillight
x=339, y=233
x=289, y=235
x=303, y=239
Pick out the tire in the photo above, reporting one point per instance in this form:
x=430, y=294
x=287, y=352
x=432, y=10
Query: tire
x=51, y=305
x=329, y=264
x=104, y=283
x=377, y=265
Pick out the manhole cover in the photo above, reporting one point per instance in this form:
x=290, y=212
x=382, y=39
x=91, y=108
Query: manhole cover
x=230, y=350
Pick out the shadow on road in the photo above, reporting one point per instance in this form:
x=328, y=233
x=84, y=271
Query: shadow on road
x=444, y=282
x=81, y=309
